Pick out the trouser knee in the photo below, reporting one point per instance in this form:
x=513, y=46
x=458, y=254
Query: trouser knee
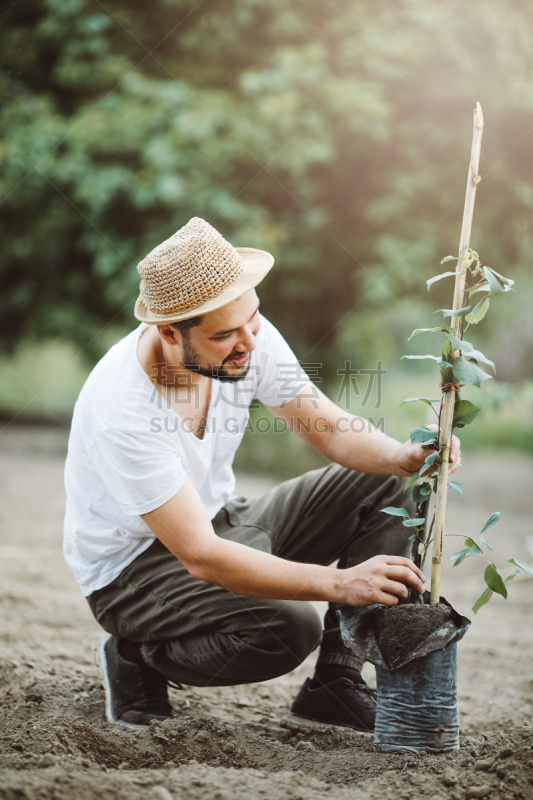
x=283, y=635
x=290, y=637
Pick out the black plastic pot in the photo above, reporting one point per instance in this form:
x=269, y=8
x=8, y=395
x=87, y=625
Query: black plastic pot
x=417, y=704
x=417, y=700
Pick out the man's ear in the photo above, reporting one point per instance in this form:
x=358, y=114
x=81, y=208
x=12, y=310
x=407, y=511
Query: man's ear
x=169, y=334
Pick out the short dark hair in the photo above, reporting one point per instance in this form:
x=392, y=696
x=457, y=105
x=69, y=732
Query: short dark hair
x=185, y=325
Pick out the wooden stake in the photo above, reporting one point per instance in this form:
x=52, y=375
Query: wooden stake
x=446, y=417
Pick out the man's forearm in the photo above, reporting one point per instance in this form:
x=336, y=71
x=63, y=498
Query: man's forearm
x=242, y=570
x=182, y=524
x=350, y=441
x=250, y=572
x=361, y=446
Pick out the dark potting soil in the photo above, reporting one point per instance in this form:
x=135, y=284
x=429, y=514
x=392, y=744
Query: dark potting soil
x=400, y=629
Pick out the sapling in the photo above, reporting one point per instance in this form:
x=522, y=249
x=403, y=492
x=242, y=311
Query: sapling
x=459, y=363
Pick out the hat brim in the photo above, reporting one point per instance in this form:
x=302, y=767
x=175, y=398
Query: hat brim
x=257, y=263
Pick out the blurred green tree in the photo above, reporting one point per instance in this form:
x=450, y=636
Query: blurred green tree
x=334, y=134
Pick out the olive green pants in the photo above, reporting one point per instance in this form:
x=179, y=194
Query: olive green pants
x=201, y=635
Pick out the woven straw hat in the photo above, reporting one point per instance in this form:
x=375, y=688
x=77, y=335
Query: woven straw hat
x=194, y=272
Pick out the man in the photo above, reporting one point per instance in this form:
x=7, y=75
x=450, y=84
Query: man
x=193, y=584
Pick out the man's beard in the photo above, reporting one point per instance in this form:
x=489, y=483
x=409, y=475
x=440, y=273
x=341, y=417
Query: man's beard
x=191, y=361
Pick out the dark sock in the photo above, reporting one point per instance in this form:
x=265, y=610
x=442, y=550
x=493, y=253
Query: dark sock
x=327, y=673
x=131, y=651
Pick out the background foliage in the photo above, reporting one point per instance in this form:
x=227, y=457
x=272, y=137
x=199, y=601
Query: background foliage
x=334, y=134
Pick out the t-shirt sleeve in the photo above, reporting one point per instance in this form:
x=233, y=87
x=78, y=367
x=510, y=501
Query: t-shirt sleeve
x=140, y=471
x=281, y=377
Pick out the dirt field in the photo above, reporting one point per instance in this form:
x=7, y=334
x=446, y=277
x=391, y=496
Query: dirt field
x=226, y=743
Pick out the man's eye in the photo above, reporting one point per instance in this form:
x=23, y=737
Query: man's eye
x=221, y=338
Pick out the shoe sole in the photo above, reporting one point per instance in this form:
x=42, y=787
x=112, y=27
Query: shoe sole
x=101, y=662
x=304, y=725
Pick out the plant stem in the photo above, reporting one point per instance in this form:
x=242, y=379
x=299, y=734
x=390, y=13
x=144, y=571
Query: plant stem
x=429, y=540
x=446, y=417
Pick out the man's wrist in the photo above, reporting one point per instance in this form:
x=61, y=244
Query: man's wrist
x=388, y=453
x=331, y=585
x=394, y=453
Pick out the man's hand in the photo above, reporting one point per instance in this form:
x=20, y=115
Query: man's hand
x=412, y=456
x=381, y=579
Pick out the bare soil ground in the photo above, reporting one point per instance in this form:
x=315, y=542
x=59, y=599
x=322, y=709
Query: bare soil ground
x=226, y=742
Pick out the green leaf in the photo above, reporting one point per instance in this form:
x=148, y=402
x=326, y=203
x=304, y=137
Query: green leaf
x=429, y=462
x=412, y=479
x=447, y=375
x=413, y=538
x=421, y=358
x=464, y=413
x=439, y=278
x=522, y=565
x=455, y=487
x=461, y=555
x=449, y=258
x=459, y=344
x=485, y=597
x=486, y=544
x=468, y=372
x=479, y=312
x=475, y=355
x=508, y=281
x=396, y=512
x=492, y=520
x=466, y=553
x=496, y=285
x=413, y=523
x=471, y=545
x=421, y=492
x=422, y=435
x=449, y=312
x=494, y=580
x=428, y=330
x=428, y=400
x=512, y=576
x=480, y=287
x=469, y=257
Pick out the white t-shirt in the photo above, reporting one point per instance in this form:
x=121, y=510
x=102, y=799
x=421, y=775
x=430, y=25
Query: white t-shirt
x=129, y=451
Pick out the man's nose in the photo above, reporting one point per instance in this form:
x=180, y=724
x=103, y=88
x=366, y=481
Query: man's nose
x=246, y=342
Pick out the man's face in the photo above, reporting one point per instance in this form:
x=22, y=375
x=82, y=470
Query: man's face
x=220, y=346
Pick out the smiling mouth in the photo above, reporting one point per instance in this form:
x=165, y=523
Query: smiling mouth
x=238, y=362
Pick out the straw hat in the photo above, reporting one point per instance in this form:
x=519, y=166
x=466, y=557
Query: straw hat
x=196, y=271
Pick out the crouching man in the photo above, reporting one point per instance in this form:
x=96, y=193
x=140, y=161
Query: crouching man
x=191, y=583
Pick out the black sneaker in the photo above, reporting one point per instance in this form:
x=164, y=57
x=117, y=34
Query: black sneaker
x=343, y=703
x=134, y=695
